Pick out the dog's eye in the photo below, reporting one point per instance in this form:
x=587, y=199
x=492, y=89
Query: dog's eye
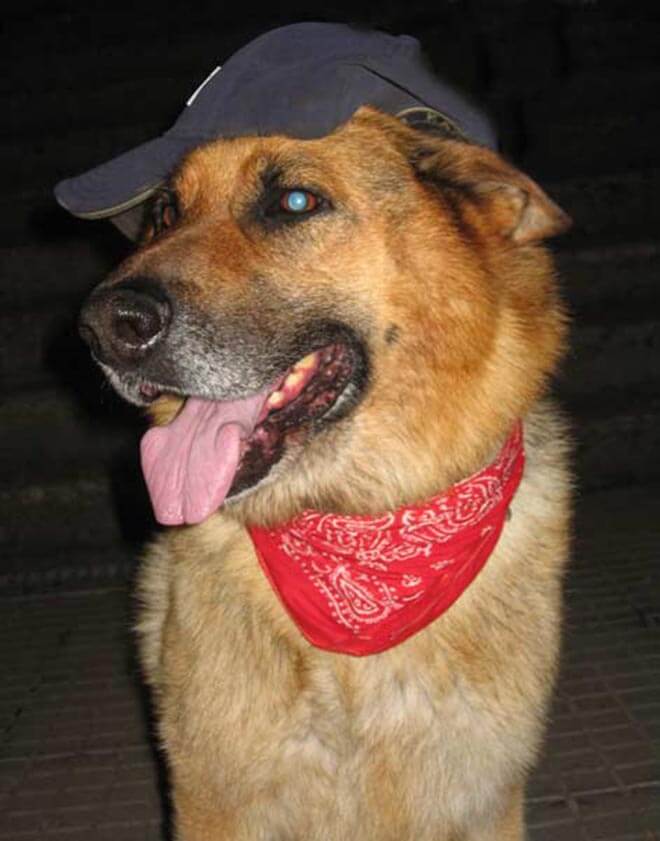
x=298, y=201
x=283, y=206
x=164, y=211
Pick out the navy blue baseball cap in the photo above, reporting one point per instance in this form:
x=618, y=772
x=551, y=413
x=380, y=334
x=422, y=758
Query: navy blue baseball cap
x=301, y=80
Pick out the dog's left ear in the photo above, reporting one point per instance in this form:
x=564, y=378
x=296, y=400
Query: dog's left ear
x=515, y=205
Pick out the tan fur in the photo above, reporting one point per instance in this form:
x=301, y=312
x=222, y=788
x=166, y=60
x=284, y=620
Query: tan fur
x=267, y=737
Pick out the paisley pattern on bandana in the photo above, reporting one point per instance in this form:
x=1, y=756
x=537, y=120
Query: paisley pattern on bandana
x=360, y=585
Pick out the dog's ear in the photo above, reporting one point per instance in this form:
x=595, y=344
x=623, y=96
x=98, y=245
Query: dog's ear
x=523, y=210
x=515, y=205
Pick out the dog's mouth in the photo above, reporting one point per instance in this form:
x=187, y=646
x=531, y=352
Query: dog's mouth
x=216, y=449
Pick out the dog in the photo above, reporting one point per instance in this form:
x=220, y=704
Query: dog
x=375, y=311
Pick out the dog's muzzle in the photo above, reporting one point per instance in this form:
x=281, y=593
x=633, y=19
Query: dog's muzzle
x=247, y=394
x=126, y=322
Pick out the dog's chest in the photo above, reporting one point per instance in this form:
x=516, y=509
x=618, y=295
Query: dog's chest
x=247, y=710
x=353, y=731
x=394, y=740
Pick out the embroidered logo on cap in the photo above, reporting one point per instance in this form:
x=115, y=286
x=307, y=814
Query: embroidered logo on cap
x=432, y=121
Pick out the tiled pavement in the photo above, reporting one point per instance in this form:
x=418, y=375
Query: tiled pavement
x=76, y=760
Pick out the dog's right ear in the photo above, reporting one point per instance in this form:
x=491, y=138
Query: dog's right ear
x=474, y=178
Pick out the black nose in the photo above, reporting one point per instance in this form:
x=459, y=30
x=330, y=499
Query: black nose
x=125, y=322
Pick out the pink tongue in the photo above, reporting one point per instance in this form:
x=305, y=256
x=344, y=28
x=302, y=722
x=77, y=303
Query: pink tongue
x=190, y=464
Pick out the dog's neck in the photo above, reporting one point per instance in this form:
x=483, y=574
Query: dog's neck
x=362, y=584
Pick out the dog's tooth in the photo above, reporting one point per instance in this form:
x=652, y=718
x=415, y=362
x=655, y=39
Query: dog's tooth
x=307, y=362
x=294, y=379
x=276, y=400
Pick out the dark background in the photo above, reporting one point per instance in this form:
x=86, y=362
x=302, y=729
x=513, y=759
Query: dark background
x=573, y=88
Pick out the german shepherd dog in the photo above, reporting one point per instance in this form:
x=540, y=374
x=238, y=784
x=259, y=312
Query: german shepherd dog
x=379, y=304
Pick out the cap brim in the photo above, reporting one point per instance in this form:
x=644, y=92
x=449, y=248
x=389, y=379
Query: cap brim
x=123, y=182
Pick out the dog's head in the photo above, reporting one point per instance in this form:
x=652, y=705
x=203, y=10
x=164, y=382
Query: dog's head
x=347, y=323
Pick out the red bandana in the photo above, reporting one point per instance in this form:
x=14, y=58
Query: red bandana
x=360, y=585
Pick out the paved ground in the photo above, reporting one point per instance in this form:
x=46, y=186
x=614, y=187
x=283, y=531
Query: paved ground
x=77, y=762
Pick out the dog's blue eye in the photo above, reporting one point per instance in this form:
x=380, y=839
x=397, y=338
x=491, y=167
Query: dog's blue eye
x=298, y=201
